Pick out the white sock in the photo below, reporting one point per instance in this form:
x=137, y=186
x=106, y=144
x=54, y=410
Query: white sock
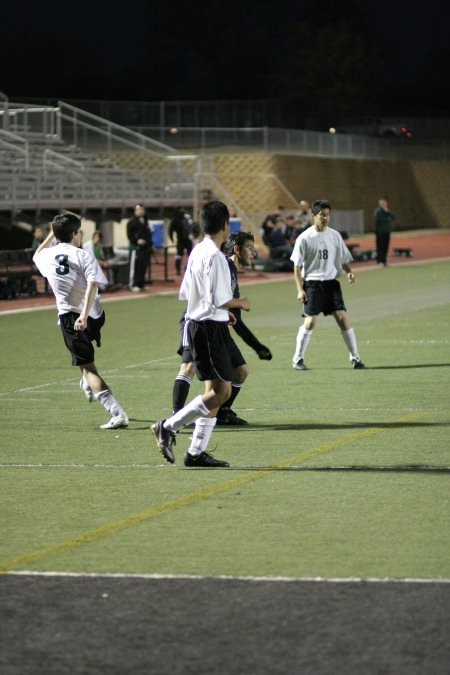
x=108, y=401
x=202, y=433
x=190, y=412
x=86, y=385
x=350, y=342
x=303, y=337
x=184, y=378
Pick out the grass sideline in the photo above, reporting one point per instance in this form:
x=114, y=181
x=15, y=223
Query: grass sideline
x=341, y=473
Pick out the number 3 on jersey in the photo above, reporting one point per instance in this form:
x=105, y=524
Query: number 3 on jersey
x=323, y=255
x=63, y=266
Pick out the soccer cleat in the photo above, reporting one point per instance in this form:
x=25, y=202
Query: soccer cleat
x=87, y=391
x=226, y=416
x=299, y=365
x=203, y=459
x=165, y=439
x=357, y=364
x=116, y=422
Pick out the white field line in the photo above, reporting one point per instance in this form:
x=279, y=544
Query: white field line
x=226, y=577
x=21, y=400
x=70, y=380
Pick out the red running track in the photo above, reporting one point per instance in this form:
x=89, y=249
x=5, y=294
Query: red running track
x=426, y=245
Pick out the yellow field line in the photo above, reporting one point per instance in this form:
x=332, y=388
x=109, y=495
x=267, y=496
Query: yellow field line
x=204, y=493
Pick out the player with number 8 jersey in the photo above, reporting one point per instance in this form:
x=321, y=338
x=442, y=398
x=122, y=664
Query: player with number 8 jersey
x=319, y=256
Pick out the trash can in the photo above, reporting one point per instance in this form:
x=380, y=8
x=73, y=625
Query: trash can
x=157, y=230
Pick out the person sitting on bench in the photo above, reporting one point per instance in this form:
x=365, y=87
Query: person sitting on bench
x=278, y=242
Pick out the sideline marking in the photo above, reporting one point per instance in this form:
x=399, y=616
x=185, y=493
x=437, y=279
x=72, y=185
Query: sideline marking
x=229, y=577
x=166, y=507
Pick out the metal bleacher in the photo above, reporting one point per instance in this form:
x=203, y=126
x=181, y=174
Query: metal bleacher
x=62, y=157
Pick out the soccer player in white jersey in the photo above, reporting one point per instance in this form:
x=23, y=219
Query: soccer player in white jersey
x=206, y=287
x=319, y=256
x=74, y=276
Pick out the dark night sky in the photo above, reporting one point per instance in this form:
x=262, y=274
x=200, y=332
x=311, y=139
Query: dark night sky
x=178, y=49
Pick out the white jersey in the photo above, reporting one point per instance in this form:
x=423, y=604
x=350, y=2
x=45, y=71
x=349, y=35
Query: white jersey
x=68, y=270
x=207, y=283
x=320, y=254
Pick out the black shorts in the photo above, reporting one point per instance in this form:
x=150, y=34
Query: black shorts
x=79, y=343
x=323, y=297
x=237, y=359
x=184, y=245
x=183, y=350
x=212, y=348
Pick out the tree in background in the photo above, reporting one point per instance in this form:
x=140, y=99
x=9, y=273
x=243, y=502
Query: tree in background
x=332, y=61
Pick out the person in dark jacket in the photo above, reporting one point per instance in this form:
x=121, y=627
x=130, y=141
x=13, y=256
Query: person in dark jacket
x=240, y=252
x=141, y=245
x=383, y=228
x=182, y=225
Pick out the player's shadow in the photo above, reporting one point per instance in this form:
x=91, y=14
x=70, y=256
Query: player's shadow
x=409, y=365
x=300, y=426
x=148, y=424
x=356, y=468
x=311, y=426
x=140, y=428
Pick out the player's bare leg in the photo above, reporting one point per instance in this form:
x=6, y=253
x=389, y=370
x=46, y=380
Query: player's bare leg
x=94, y=385
x=348, y=335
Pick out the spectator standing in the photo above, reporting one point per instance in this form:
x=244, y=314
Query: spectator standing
x=38, y=238
x=303, y=215
x=95, y=248
x=141, y=245
x=182, y=225
x=383, y=228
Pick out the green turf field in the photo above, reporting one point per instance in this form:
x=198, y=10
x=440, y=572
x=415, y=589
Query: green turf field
x=340, y=473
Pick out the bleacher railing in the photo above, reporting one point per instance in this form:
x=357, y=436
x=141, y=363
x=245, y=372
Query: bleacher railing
x=15, y=144
x=298, y=142
x=94, y=133
x=79, y=178
x=30, y=119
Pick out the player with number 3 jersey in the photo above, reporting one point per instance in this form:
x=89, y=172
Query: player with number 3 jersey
x=74, y=276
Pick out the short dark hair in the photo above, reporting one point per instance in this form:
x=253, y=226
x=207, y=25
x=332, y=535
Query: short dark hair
x=213, y=216
x=320, y=204
x=236, y=239
x=65, y=226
